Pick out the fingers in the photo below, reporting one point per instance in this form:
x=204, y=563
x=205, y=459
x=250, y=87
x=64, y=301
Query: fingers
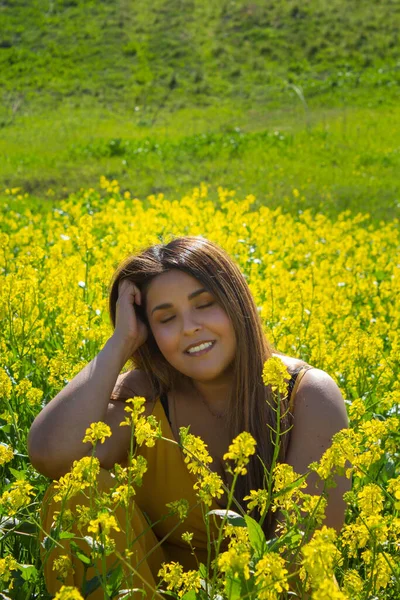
x=127, y=287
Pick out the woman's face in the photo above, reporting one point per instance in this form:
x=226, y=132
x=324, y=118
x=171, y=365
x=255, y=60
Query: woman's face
x=181, y=313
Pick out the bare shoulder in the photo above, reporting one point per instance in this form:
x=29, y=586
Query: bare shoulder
x=132, y=383
x=290, y=362
x=319, y=411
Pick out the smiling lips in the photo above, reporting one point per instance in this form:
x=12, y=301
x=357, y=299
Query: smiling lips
x=203, y=348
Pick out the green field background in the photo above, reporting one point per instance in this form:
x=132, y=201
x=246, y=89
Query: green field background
x=294, y=102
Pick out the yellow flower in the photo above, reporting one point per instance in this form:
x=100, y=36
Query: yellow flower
x=357, y=410
x=103, y=524
x=180, y=507
x=64, y=519
x=187, y=537
x=352, y=584
x=135, y=406
x=328, y=590
x=17, y=496
x=209, y=486
x=63, y=565
x=97, y=432
x=195, y=451
x=6, y=453
x=5, y=384
x=7, y=564
x=146, y=430
x=235, y=562
x=320, y=555
x=276, y=375
x=370, y=499
x=68, y=593
x=177, y=580
x=258, y=499
x=171, y=573
x=378, y=567
x=394, y=488
x=271, y=577
x=83, y=474
x=242, y=447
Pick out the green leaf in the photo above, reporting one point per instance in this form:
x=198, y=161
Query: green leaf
x=80, y=553
x=28, y=572
x=233, y=588
x=17, y=474
x=190, y=595
x=202, y=570
x=82, y=557
x=114, y=579
x=66, y=535
x=256, y=537
x=233, y=517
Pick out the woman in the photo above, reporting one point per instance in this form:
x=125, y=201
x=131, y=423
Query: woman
x=184, y=314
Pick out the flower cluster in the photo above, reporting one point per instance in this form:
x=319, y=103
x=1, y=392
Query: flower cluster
x=276, y=375
x=7, y=565
x=68, y=593
x=341, y=315
x=63, y=566
x=127, y=478
x=236, y=560
x=242, y=447
x=97, y=432
x=320, y=557
x=179, y=507
x=6, y=454
x=178, y=580
x=271, y=577
x=208, y=482
x=17, y=496
x=82, y=475
x=147, y=430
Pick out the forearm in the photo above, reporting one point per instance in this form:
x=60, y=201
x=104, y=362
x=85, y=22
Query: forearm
x=55, y=438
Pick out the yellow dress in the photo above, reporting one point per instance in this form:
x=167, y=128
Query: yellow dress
x=167, y=479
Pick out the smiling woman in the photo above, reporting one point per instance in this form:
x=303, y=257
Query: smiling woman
x=184, y=314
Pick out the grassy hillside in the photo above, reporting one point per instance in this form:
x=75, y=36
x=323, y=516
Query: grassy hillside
x=261, y=96
x=182, y=52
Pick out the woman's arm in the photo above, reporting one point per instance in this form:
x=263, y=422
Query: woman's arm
x=55, y=437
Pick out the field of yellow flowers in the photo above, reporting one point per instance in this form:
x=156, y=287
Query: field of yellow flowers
x=328, y=292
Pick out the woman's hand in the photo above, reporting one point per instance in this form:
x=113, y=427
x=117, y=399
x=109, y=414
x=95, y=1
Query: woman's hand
x=129, y=329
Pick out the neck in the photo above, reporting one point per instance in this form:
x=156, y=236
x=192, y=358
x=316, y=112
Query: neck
x=216, y=394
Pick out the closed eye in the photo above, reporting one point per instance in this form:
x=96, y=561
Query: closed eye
x=202, y=306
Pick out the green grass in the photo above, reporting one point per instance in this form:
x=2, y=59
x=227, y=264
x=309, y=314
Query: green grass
x=164, y=95
x=337, y=160
x=184, y=52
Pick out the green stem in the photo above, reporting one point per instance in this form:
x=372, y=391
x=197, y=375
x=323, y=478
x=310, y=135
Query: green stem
x=225, y=518
x=274, y=459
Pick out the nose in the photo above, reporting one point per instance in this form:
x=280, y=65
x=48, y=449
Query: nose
x=190, y=325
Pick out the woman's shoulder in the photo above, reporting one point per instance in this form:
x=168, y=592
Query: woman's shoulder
x=293, y=364
x=133, y=383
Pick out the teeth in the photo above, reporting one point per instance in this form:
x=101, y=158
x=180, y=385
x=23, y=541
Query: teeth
x=201, y=347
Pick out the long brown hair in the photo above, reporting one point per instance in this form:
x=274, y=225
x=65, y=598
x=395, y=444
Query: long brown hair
x=251, y=401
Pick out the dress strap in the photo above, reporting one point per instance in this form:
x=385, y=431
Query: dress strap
x=164, y=402
x=297, y=378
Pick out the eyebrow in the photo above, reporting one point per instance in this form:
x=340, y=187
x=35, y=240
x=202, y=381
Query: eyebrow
x=169, y=305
